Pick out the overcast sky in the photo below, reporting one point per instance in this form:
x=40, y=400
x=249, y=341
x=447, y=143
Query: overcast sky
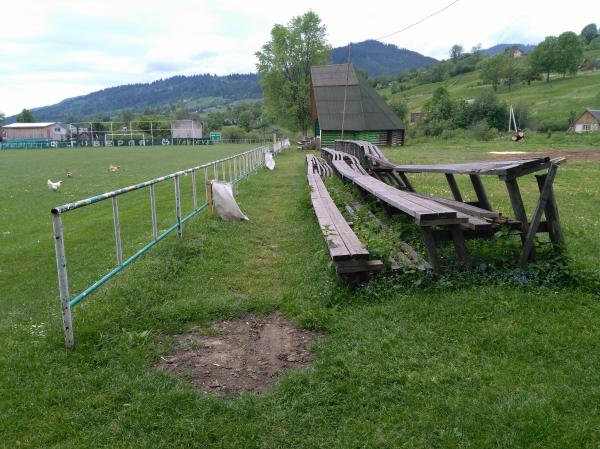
x=58, y=49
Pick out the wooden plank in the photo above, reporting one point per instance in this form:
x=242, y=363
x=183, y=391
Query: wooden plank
x=537, y=215
x=465, y=208
x=358, y=266
x=551, y=212
x=459, y=244
x=351, y=241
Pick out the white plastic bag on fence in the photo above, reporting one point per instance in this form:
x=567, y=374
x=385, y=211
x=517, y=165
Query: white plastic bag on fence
x=227, y=207
x=269, y=161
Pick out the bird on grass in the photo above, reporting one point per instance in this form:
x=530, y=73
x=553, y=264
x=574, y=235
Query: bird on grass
x=69, y=173
x=113, y=168
x=54, y=185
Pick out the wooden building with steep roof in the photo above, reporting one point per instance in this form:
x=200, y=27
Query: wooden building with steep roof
x=367, y=116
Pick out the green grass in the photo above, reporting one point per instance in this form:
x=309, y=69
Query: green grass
x=475, y=366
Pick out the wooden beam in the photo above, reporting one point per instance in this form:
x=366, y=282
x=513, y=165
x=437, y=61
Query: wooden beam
x=482, y=198
x=551, y=211
x=430, y=247
x=516, y=201
x=537, y=215
x=454, y=187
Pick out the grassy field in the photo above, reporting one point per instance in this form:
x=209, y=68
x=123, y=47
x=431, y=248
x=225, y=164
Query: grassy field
x=446, y=365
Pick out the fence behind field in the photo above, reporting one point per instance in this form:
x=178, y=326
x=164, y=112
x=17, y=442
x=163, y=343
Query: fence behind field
x=232, y=169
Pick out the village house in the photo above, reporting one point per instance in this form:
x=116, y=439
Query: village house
x=589, y=121
x=34, y=131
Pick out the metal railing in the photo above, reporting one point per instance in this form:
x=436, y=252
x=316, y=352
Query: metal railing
x=233, y=168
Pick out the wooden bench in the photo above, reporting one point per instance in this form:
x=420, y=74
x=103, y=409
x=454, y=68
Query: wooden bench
x=425, y=212
x=347, y=252
x=508, y=171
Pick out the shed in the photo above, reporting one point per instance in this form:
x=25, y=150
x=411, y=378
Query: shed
x=34, y=131
x=367, y=116
x=186, y=129
x=589, y=121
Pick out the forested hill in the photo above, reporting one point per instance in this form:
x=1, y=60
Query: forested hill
x=377, y=58
x=196, y=91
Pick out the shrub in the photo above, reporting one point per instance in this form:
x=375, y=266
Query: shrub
x=482, y=131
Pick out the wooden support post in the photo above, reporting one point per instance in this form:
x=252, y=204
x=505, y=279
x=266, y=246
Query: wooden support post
x=537, y=215
x=209, y=196
x=430, y=247
x=459, y=244
x=406, y=182
x=482, y=198
x=516, y=202
x=454, y=187
x=552, y=218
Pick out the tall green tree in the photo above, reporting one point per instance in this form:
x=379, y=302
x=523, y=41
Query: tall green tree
x=493, y=69
x=589, y=33
x=570, y=53
x=456, y=52
x=284, y=67
x=544, y=57
x=2, y=117
x=25, y=117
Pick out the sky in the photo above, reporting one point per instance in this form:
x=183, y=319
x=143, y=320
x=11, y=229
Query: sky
x=59, y=49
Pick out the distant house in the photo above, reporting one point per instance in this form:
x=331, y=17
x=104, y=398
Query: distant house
x=340, y=100
x=186, y=129
x=589, y=121
x=34, y=131
x=518, y=53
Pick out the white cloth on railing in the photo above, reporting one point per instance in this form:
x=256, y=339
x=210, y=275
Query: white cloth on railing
x=269, y=161
x=227, y=207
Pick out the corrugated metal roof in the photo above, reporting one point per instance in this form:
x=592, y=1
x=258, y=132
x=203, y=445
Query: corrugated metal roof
x=30, y=125
x=365, y=109
x=595, y=113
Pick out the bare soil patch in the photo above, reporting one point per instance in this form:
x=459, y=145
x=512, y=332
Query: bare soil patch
x=571, y=155
x=246, y=354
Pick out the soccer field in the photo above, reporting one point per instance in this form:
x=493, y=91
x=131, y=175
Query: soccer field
x=452, y=362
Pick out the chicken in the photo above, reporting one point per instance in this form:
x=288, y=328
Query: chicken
x=113, y=168
x=69, y=173
x=54, y=185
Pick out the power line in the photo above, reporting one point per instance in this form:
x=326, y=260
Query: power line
x=420, y=21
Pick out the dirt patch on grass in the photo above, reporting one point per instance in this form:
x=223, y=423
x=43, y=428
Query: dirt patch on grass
x=246, y=354
x=571, y=155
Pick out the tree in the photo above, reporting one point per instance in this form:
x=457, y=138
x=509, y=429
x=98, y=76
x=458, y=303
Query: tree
x=570, y=53
x=2, y=117
x=589, y=33
x=528, y=73
x=492, y=70
x=25, y=117
x=544, y=57
x=456, y=52
x=399, y=107
x=284, y=67
x=510, y=69
x=440, y=107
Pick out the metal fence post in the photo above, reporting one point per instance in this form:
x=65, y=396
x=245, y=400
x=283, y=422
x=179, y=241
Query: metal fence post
x=194, y=192
x=153, y=212
x=117, y=226
x=63, y=280
x=178, y=207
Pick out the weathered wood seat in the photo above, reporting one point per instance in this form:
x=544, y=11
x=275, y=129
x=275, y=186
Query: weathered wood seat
x=347, y=252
